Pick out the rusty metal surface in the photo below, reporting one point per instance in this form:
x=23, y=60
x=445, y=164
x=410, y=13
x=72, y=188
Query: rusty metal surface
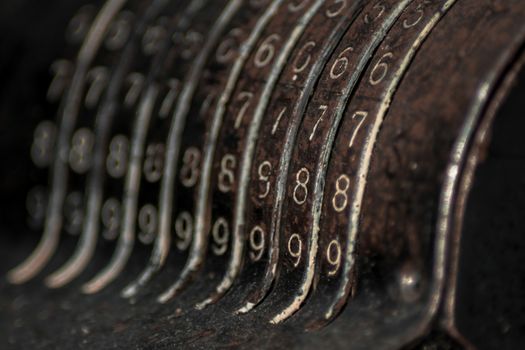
x=269, y=174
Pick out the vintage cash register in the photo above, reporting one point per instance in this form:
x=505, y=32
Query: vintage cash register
x=262, y=174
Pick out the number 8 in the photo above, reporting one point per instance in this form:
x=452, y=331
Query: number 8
x=301, y=184
x=340, y=199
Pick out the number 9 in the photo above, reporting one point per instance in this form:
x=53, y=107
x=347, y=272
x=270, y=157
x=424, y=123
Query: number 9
x=220, y=233
x=295, y=253
x=333, y=256
x=257, y=242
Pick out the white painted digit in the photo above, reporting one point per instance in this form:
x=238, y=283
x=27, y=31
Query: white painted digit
x=278, y=120
x=154, y=162
x=340, y=198
x=300, y=192
x=147, y=223
x=221, y=236
x=189, y=42
x=226, y=175
x=119, y=31
x=183, y=230
x=380, y=70
x=73, y=213
x=333, y=256
x=360, y=116
x=323, y=109
x=294, y=7
x=266, y=51
x=169, y=100
x=136, y=83
x=97, y=79
x=246, y=97
x=295, y=248
x=205, y=107
x=336, y=10
x=380, y=11
x=340, y=65
x=80, y=154
x=264, y=171
x=117, y=159
x=36, y=204
x=303, y=58
x=257, y=243
x=110, y=217
x=227, y=50
x=189, y=173
x=61, y=71
x=80, y=24
x=43, y=144
x=152, y=39
x=420, y=14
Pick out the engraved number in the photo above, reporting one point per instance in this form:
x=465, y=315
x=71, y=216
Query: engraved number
x=135, y=81
x=336, y=10
x=80, y=24
x=340, y=199
x=323, y=109
x=295, y=248
x=420, y=12
x=333, y=256
x=278, y=120
x=340, y=64
x=110, y=217
x=152, y=39
x=61, y=71
x=360, y=116
x=264, y=171
x=189, y=173
x=119, y=31
x=257, y=243
x=380, y=70
x=81, y=150
x=169, y=100
x=226, y=175
x=43, y=144
x=154, y=162
x=266, y=51
x=190, y=42
x=303, y=58
x=73, y=213
x=183, y=230
x=117, y=160
x=147, y=223
x=97, y=79
x=36, y=204
x=246, y=97
x=300, y=192
x=205, y=107
x=227, y=49
x=380, y=10
x=294, y=7
x=221, y=236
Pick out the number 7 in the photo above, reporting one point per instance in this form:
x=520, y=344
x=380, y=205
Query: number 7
x=361, y=116
x=323, y=109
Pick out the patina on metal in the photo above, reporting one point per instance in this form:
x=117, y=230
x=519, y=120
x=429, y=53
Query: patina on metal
x=298, y=174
